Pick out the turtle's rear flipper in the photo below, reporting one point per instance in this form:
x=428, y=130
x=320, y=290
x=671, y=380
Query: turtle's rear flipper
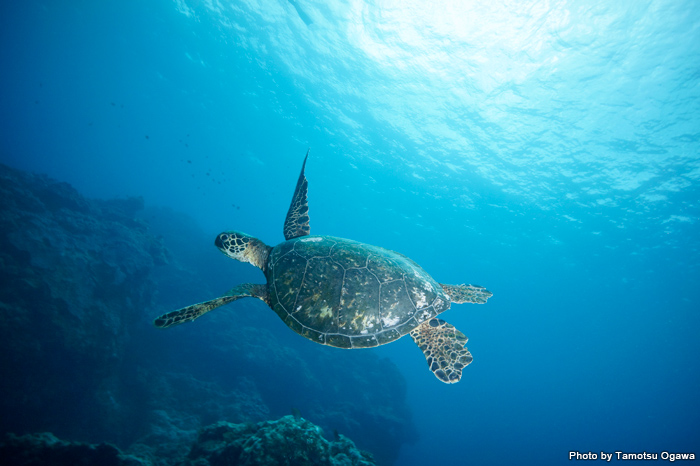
x=467, y=293
x=444, y=349
x=189, y=313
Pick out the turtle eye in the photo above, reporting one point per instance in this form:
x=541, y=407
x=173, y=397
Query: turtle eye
x=221, y=241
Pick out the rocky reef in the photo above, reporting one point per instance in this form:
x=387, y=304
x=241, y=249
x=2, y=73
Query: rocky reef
x=75, y=281
x=44, y=449
x=289, y=441
x=80, y=283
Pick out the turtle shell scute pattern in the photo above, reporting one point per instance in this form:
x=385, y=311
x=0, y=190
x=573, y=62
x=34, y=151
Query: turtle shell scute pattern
x=347, y=294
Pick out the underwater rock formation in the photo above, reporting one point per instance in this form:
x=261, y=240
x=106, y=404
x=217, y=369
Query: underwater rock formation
x=289, y=441
x=77, y=286
x=75, y=278
x=81, y=281
x=45, y=449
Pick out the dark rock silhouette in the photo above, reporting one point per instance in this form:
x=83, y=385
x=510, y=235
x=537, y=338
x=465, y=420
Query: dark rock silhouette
x=286, y=441
x=45, y=449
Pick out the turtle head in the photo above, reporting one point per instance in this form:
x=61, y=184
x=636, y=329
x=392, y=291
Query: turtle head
x=244, y=248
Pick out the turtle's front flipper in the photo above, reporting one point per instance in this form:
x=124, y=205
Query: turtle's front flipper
x=467, y=293
x=444, y=349
x=297, y=222
x=189, y=313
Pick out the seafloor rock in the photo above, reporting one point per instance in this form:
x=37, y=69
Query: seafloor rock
x=188, y=404
x=289, y=441
x=45, y=449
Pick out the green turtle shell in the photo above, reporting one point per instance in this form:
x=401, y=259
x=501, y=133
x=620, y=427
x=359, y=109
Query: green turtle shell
x=347, y=294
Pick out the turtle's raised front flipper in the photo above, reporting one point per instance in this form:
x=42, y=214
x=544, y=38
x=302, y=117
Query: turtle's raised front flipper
x=297, y=222
x=444, y=349
x=190, y=313
x=467, y=293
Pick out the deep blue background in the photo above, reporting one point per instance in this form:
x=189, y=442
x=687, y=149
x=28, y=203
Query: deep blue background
x=548, y=152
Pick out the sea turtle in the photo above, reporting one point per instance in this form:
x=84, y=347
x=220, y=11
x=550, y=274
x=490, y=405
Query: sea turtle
x=346, y=294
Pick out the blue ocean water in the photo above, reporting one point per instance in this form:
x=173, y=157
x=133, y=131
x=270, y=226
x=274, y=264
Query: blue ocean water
x=549, y=151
